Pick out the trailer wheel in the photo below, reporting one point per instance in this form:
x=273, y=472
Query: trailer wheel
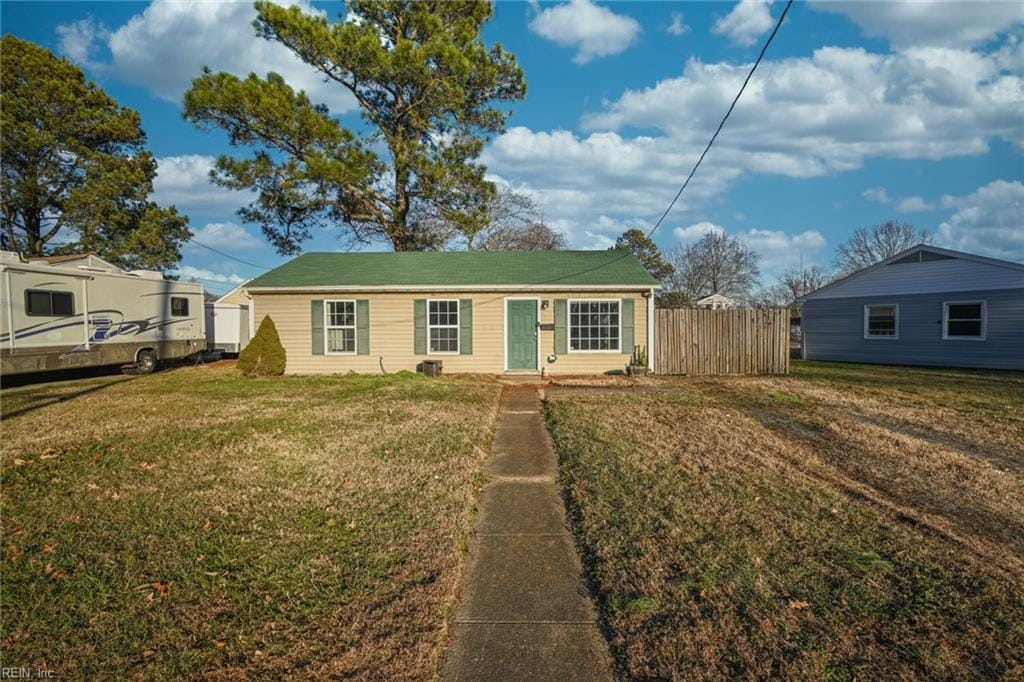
x=145, y=363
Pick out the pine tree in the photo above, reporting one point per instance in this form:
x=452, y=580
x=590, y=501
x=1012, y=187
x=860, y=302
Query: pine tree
x=75, y=168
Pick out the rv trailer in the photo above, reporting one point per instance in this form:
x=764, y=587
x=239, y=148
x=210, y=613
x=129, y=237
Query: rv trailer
x=65, y=312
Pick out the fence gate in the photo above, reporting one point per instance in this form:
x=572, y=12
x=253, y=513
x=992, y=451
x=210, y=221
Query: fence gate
x=731, y=341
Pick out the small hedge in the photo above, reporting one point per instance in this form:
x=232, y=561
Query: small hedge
x=264, y=356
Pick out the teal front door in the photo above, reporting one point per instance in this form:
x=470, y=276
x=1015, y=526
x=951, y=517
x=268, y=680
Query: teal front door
x=522, y=334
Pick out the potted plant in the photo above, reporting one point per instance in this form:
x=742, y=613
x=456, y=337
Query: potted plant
x=638, y=363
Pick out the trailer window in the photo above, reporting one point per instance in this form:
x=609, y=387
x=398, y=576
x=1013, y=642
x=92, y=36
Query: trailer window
x=179, y=306
x=49, y=303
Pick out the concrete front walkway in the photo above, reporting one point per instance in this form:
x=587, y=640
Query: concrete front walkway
x=524, y=612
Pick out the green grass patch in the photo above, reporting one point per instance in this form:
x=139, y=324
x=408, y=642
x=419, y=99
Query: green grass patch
x=724, y=541
x=196, y=521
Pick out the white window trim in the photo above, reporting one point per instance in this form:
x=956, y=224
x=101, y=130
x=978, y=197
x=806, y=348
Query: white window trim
x=945, y=321
x=458, y=326
x=354, y=326
x=867, y=314
x=568, y=326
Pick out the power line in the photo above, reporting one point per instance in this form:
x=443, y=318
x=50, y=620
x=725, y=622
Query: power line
x=228, y=255
x=725, y=118
x=689, y=177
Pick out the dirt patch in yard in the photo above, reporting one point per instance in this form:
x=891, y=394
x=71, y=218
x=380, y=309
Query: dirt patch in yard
x=816, y=525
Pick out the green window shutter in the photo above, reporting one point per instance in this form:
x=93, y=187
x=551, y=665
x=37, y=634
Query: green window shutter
x=561, y=330
x=465, y=326
x=419, y=316
x=362, y=327
x=626, y=318
x=317, y=321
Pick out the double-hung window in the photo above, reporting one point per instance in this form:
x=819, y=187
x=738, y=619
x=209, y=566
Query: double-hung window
x=443, y=326
x=594, y=326
x=881, y=321
x=340, y=325
x=964, y=320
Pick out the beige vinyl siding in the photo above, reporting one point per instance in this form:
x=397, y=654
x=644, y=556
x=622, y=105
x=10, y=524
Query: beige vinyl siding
x=391, y=333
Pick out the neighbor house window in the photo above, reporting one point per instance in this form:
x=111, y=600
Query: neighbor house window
x=594, y=325
x=881, y=321
x=964, y=320
x=340, y=325
x=443, y=326
x=49, y=303
x=179, y=306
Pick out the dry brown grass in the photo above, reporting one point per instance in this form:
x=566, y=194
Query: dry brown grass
x=196, y=523
x=839, y=522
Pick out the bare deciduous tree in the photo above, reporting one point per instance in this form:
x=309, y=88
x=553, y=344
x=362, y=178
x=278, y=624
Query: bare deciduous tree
x=535, y=236
x=717, y=264
x=513, y=222
x=867, y=246
x=792, y=284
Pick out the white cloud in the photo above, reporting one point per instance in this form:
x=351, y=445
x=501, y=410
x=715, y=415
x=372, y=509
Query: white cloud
x=593, y=30
x=800, y=117
x=776, y=249
x=78, y=40
x=806, y=117
x=747, y=21
x=167, y=45
x=779, y=250
x=989, y=221
x=227, y=236
x=190, y=272
x=879, y=195
x=930, y=22
x=914, y=205
x=693, y=233
x=184, y=181
x=678, y=27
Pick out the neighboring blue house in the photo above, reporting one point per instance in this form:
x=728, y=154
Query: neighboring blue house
x=923, y=306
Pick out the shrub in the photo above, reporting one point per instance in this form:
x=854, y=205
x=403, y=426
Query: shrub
x=264, y=356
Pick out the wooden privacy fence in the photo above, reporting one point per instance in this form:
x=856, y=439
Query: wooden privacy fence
x=732, y=341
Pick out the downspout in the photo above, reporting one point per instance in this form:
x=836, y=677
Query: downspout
x=650, y=331
x=252, y=317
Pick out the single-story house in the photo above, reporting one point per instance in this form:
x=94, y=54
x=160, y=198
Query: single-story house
x=923, y=306
x=560, y=312
x=716, y=302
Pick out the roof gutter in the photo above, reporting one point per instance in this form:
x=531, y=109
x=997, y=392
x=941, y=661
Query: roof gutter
x=451, y=287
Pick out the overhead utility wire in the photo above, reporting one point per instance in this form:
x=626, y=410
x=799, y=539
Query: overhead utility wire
x=228, y=255
x=689, y=177
x=725, y=118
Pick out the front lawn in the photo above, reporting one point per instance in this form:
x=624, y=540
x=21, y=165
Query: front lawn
x=196, y=522
x=844, y=522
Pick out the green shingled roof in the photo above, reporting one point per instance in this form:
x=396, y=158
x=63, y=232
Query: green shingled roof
x=459, y=268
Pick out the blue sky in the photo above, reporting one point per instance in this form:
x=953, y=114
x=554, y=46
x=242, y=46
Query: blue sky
x=862, y=112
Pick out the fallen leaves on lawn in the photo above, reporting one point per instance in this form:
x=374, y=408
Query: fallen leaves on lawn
x=53, y=573
x=49, y=453
x=155, y=590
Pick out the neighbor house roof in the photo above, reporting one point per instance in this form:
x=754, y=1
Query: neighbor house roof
x=458, y=269
x=905, y=254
